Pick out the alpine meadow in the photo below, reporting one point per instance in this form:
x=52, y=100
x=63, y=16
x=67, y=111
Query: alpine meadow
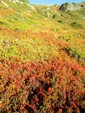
x=42, y=57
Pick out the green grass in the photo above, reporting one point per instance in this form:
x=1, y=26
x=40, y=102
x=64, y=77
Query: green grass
x=30, y=49
x=77, y=25
x=76, y=52
x=21, y=17
x=18, y=6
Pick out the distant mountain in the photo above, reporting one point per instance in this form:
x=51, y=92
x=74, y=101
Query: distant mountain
x=72, y=6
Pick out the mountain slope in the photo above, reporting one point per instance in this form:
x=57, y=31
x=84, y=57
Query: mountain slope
x=26, y=20
x=42, y=58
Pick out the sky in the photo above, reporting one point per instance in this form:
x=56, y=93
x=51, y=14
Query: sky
x=53, y=1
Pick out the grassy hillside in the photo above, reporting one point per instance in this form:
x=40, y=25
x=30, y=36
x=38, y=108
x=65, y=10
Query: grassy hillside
x=42, y=58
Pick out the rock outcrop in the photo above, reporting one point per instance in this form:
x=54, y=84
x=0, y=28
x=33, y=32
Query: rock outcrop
x=71, y=6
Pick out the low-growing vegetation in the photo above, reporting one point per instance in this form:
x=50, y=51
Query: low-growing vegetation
x=42, y=58
x=77, y=25
x=76, y=52
x=50, y=86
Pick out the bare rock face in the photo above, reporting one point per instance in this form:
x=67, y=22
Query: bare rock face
x=70, y=6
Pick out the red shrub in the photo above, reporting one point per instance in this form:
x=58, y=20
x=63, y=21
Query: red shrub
x=51, y=86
